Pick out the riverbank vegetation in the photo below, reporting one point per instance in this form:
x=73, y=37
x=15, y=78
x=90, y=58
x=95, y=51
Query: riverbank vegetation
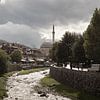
x=66, y=91
x=23, y=72
x=3, y=84
x=3, y=90
x=76, y=48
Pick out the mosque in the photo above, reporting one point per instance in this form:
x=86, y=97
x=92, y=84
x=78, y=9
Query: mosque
x=46, y=46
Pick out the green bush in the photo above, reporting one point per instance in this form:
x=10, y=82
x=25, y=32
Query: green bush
x=16, y=56
x=4, y=59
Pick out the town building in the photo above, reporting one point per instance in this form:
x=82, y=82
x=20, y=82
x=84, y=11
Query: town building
x=45, y=48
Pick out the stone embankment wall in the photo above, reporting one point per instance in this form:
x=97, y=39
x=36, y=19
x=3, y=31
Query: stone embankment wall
x=88, y=81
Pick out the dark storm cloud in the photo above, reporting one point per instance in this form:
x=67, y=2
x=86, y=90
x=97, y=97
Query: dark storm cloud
x=45, y=12
x=23, y=20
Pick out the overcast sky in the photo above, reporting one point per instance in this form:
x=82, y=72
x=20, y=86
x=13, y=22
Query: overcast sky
x=30, y=21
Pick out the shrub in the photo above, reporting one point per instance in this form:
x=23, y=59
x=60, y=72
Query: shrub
x=4, y=59
x=16, y=56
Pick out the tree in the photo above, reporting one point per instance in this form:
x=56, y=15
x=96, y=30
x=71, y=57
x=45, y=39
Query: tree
x=61, y=51
x=78, y=51
x=67, y=42
x=53, y=52
x=92, y=38
x=61, y=54
x=16, y=56
x=4, y=59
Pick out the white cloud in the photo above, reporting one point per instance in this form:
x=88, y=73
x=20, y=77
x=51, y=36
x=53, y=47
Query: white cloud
x=79, y=28
x=2, y=1
x=20, y=33
x=29, y=21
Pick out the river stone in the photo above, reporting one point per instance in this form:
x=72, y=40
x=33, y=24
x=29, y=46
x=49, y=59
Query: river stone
x=43, y=94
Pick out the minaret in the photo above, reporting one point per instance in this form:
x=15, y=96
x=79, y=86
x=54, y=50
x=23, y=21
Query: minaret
x=53, y=34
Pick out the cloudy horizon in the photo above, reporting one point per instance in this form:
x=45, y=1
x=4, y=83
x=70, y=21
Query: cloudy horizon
x=30, y=22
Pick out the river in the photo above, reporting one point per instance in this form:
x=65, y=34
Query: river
x=21, y=87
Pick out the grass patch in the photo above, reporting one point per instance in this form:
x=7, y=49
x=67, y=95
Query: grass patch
x=3, y=81
x=23, y=72
x=3, y=90
x=66, y=91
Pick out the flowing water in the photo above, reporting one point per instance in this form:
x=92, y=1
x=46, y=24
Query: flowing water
x=21, y=87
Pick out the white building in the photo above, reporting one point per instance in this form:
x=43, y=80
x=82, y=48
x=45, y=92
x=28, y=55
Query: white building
x=45, y=48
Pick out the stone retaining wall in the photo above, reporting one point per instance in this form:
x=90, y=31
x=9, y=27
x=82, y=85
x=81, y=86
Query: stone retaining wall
x=88, y=81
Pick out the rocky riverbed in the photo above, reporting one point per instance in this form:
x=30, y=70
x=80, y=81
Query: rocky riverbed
x=23, y=87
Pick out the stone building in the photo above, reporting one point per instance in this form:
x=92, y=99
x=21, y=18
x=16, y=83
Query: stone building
x=45, y=48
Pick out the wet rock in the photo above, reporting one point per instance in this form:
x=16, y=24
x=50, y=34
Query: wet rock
x=44, y=72
x=56, y=98
x=43, y=94
x=11, y=97
x=11, y=87
x=16, y=98
x=40, y=92
x=47, y=96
